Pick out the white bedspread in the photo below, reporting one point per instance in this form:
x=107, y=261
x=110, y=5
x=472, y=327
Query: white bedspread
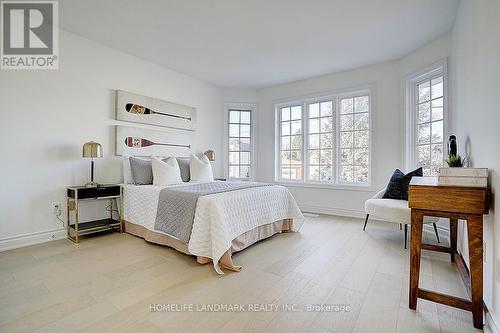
x=219, y=218
x=222, y=217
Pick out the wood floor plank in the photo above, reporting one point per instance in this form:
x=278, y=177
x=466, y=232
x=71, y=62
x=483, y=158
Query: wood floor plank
x=364, y=267
x=305, y=248
x=380, y=309
x=417, y=321
x=80, y=319
x=47, y=315
x=327, y=250
x=342, y=321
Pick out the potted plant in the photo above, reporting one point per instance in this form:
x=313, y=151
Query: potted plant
x=455, y=161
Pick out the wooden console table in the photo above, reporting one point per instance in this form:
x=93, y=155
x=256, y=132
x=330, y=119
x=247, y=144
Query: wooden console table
x=427, y=198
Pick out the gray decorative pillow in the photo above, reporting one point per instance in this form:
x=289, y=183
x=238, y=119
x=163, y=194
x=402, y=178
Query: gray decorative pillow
x=185, y=171
x=142, y=171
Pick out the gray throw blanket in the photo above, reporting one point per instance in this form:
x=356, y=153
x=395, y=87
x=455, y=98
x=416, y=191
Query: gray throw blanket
x=177, y=205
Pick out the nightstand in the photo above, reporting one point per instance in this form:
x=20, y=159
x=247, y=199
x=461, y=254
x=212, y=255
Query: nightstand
x=77, y=194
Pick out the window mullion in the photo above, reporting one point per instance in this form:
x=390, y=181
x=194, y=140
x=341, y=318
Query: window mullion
x=278, y=145
x=415, y=122
x=305, y=133
x=336, y=146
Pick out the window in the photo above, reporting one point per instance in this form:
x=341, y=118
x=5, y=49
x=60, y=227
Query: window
x=291, y=142
x=320, y=141
x=308, y=134
x=240, y=145
x=426, y=116
x=354, y=139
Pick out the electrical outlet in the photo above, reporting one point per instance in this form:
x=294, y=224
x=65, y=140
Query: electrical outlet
x=56, y=209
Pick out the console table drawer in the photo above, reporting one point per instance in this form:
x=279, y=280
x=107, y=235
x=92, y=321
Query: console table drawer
x=454, y=199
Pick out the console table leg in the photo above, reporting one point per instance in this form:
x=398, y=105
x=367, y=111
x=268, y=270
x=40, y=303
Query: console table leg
x=415, y=251
x=453, y=237
x=475, y=235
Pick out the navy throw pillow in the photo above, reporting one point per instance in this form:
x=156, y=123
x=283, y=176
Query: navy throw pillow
x=398, y=185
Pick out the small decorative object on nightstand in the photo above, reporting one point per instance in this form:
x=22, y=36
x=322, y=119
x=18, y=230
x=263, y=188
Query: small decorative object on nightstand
x=92, y=150
x=78, y=194
x=210, y=154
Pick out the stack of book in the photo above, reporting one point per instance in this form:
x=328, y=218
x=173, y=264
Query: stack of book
x=473, y=177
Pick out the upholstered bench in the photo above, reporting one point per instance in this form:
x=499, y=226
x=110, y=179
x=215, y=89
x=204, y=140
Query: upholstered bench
x=392, y=210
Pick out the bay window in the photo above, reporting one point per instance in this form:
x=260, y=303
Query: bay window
x=325, y=140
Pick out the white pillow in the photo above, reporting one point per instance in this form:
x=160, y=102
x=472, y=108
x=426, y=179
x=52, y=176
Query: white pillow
x=127, y=171
x=165, y=173
x=201, y=169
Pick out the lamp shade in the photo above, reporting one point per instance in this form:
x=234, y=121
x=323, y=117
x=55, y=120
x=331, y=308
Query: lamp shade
x=210, y=154
x=92, y=150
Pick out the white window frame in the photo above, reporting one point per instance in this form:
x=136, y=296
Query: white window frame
x=245, y=107
x=437, y=69
x=278, y=143
x=370, y=130
x=305, y=101
x=306, y=179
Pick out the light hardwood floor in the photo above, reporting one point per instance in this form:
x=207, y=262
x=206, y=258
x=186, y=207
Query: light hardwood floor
x=107, y=283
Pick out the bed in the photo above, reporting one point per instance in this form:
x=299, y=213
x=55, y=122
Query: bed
x=224, y=223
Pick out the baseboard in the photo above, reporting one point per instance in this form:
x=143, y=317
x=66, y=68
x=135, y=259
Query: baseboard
x=15, y=242
x=332, y=211
x=443, y=231
x=490, y=326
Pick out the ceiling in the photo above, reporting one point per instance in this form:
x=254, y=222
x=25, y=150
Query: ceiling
x=260, y=43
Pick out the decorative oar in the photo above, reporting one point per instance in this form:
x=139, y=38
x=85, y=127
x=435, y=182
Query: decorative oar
x=139, y=109
x=135, y=142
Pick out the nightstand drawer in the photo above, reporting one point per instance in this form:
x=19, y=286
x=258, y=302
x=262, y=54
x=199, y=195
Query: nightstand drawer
x=75, y=194
x=94, y=192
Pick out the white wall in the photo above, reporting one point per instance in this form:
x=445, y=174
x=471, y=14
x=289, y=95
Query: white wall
x=48, y=115
x=475, y=91
x=387, y=118
x=249, y=96
x=438, y=49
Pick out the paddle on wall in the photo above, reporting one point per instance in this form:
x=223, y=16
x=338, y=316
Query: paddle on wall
x=137, y=141
x=136, y=108
x=139, y=109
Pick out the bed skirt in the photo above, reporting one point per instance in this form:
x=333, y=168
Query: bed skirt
x=239, y=243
